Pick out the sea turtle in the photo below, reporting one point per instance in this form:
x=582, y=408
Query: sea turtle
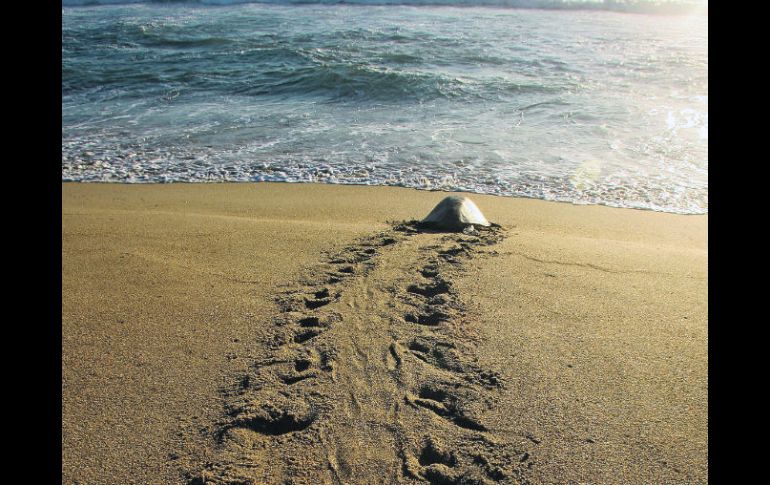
x=455, y=213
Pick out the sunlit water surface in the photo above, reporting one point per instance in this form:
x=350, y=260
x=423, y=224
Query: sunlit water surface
x=579, y=106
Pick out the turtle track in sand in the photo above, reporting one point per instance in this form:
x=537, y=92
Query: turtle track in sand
x=370, y=376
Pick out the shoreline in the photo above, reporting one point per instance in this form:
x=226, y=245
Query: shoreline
x=593, y=317
x=448, y=192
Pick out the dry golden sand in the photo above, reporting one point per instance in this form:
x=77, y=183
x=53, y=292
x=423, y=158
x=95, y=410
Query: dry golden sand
x=569, y=348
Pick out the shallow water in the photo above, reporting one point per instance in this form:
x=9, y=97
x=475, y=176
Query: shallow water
x=580, y=106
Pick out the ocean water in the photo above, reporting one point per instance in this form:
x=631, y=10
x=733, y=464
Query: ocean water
x=582, y=106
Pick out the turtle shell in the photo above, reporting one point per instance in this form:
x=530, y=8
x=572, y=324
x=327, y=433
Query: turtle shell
x=455, y=213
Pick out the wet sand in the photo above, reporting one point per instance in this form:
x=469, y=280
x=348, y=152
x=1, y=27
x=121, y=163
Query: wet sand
x=279, y=333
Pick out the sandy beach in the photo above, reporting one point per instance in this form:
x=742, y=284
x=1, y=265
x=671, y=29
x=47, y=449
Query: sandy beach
x=295, y=333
